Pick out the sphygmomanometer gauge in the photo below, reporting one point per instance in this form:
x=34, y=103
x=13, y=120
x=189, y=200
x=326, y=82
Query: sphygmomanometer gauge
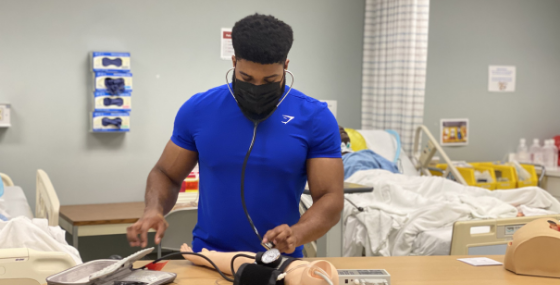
x=270, y=256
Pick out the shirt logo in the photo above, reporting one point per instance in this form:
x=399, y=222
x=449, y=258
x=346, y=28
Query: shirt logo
x=288, y=118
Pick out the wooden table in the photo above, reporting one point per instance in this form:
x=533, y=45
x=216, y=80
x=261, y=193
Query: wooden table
x=108, y=219
x=405, y=270
x=99, y=219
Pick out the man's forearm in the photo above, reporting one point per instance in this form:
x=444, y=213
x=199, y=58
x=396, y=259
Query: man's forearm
x=319, y=219
x=161, y=192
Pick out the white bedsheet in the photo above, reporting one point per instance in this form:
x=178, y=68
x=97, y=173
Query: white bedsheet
x=14, y=202
x=21, y=232
x=433, y=242
x=402, y=207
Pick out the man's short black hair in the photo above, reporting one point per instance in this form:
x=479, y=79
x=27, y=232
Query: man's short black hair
x=262, y=39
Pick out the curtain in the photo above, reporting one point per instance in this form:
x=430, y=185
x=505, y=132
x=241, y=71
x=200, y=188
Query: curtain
x=394, y=66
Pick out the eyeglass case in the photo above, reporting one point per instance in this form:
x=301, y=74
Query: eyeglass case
x=108, y=271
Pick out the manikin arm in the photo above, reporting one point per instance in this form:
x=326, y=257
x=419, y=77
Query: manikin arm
x=299, y=271
x=221, y=259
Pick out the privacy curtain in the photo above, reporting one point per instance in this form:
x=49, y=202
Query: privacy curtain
x=394, y=66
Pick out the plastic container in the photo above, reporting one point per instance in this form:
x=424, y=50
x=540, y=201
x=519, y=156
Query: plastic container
x=190, y=184
x=550, y=155
x=522, y=155
x=533, y=181
x=506, y=176
x=535, y=151
x=468, y=174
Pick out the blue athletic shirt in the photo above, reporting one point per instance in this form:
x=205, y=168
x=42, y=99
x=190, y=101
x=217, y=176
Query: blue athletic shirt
x=212, y=124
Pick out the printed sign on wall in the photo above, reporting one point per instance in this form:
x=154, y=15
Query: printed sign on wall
x=501, y=78
x=227, y=46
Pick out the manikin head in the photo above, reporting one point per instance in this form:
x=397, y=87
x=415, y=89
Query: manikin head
x=345, y=141
x=311, y=277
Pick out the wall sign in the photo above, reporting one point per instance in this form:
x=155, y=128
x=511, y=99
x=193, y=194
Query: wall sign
x=454, y=132
x=227, y=45
x=501, y=78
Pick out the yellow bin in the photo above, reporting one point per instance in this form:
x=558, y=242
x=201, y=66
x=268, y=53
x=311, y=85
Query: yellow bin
x=468, y=175
x=505, y=172
x=533, y=181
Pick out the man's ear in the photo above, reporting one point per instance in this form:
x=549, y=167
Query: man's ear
x=286, y=64
x=233, y=60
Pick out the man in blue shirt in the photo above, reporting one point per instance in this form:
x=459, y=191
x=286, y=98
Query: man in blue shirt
x=294, y=139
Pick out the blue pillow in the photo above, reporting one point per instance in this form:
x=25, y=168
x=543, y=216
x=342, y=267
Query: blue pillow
x=1, y=187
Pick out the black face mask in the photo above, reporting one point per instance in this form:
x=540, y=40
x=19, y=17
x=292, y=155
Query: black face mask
x=257, y=102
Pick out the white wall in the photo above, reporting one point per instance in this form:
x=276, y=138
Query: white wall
x=467, y=36
x=44, y=74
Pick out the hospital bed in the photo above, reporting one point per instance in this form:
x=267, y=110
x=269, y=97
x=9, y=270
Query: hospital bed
x=6, y=180
x=47, y=204
x=15, y=203
x=455, y=239
x=487, y=236
x=24, y=265
x=387, y=145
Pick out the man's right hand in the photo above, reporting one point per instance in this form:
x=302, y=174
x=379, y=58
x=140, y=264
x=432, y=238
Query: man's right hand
x=137, y=234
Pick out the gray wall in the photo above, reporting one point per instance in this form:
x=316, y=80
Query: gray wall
x=467, y=36
x=44, y=74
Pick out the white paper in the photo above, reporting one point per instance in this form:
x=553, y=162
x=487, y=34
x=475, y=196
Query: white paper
x=331, y=105
x=501, y=78
x=227, y=46
x=480, y=261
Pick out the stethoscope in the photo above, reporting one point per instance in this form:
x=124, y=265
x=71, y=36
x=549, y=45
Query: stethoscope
x=272, y=253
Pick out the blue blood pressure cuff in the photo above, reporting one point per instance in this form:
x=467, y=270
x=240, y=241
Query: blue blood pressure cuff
x=114, y=83
x=105, y=101
x=111, y=61
x=110, y=121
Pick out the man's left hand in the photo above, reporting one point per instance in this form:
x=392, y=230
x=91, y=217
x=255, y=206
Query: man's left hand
x=283, y=238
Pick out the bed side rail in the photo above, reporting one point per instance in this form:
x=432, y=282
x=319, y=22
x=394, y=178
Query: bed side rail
x=428, y=153
x=481, y=234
